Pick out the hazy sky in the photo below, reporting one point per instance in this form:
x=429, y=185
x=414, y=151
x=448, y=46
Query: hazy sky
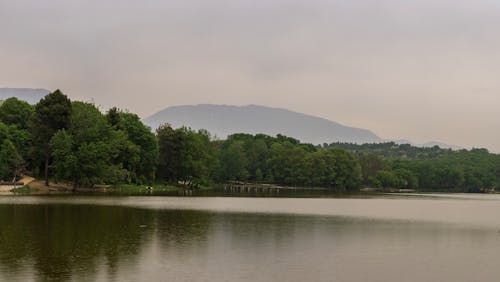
x=416, y=69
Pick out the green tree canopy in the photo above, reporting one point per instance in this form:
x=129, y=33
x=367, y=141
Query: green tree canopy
x=83, y=154
x=141, y=155
x=51, y=114
x=10, y=161
x=16, y=112
x=184, y=155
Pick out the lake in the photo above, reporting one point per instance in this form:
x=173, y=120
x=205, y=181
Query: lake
x=380, y=238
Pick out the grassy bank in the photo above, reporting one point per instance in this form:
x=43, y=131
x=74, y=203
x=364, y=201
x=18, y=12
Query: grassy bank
x=24, y=190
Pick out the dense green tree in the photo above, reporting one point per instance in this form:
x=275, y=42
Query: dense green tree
x=347, y=170
x=141, y=155
x=4, y=132
x=21, y=139
x=170, y=150
x=51, y=114
x=14, y=116
x=406, y=179
x=284, y=160
x=13, y=143
x=234, y=162
x=287, y=163
x=195, y=166
x=83, y=154
x=65, y=159
x=16, y=112
x=321, y=169
x=184, y=155
x=370, y=165
x=392, y=151
x=257, y=154
x=11, y=162
x=386, y=179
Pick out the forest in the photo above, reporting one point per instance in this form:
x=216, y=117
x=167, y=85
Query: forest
x=75, y=142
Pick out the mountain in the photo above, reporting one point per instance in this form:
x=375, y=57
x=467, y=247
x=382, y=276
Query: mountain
x=29, y=95
x=441, y=145
x=223, y=120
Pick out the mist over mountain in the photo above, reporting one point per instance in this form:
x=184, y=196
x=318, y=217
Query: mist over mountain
x=224, y=120
x=29, y=95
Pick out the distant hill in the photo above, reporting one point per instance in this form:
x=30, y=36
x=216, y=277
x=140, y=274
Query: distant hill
x=29, y=95
x=223, y=120
x=427, y=144
x=440, y=145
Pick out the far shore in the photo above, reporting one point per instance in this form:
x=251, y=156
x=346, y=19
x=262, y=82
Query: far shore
x=34, y=186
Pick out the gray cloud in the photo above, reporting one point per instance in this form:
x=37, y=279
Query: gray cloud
x=422, y=70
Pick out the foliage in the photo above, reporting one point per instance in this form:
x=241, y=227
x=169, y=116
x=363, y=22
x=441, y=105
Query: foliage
x=10, y=161
x=140, y=154
x=284, y=160
x=80, y=144
x=473, y=170
x=51, y=114
x=82, y=153
x=234, y=162
x=391, y=150
x=24, y=190
x=15, y=112
x=184, y=155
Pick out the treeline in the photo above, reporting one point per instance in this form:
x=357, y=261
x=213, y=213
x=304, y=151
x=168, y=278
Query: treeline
x=71, y=141
x=193, y=158
x=391, y=150
x=474, y=170
x=74, y=141
x=389, y=165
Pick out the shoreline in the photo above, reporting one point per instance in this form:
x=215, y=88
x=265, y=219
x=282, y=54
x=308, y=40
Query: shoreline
x=32, y=186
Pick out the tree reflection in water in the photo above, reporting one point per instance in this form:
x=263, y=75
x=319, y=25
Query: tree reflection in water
x=63, y=242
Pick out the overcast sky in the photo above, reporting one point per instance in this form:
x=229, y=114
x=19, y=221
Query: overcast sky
x=416, y=69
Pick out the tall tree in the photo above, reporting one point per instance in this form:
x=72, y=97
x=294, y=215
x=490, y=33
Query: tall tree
x=170, y=145
x=141, y=156
x=83, y=153
x=185, y=155
x=51, y=114
x=233, y=162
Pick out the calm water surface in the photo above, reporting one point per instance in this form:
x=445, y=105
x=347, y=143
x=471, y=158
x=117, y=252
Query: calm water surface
x=387, y=238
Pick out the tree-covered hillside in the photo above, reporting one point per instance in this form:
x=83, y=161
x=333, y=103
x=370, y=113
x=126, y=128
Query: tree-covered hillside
x=71, y=141
x=390, y=165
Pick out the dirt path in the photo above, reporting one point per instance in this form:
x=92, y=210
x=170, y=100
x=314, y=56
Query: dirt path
x=5, y=188
x=26, y=180
x=40, y=188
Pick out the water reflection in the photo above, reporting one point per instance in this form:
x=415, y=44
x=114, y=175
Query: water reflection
x=83, y=242
x=61, y=241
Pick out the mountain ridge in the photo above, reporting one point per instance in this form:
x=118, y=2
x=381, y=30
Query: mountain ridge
x=30, y=95
x=224, y=120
